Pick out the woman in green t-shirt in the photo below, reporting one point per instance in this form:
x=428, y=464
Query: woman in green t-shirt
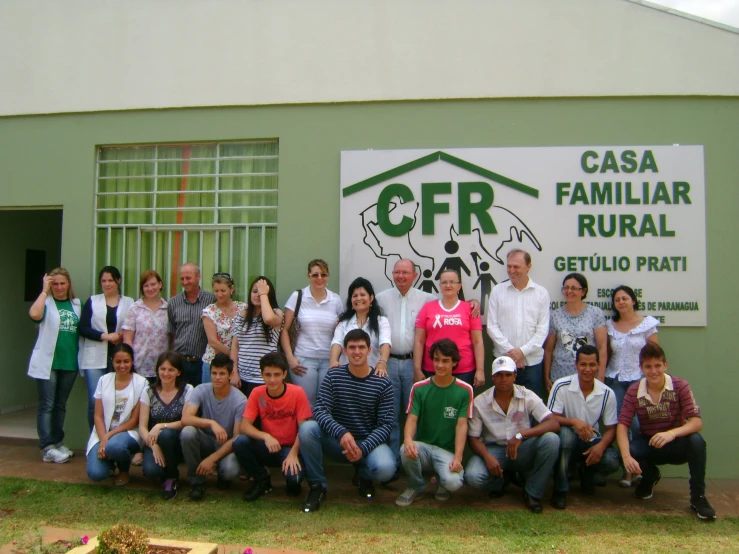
x=54, y=360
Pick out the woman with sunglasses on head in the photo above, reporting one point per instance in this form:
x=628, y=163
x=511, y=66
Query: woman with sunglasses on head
x=53, y=362
x=100, y=326
x=256, y=333
x=573, y=325
x=318, y=314
x=628, y=332
x=218, y=320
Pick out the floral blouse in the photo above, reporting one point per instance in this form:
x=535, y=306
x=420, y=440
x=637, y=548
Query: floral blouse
x=224, y=327
x=149, y=335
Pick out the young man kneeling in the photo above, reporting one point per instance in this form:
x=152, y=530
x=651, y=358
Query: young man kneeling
x=436, y=428
x=207, y=440
x=353, y=419
x=670, y=430
x=281, y=408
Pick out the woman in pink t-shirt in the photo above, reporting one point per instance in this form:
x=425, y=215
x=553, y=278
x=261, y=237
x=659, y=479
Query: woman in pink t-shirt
x=450, y=318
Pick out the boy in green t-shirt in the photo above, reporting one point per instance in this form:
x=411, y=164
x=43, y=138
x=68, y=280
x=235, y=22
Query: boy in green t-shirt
x=436, y=427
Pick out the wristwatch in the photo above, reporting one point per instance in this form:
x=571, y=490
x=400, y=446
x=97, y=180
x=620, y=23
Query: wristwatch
x=519, y=436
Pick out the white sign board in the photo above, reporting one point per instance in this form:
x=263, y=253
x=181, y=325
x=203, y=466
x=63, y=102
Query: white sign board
x=631, y=215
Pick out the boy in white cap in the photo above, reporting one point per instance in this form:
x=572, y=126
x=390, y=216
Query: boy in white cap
x=503, y=440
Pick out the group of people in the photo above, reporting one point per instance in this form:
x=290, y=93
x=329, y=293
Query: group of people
x=204, y=379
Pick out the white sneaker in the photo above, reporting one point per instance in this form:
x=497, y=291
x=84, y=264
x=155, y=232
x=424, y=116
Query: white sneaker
x=442, y=493
x=54, y=455
x=407, y=498
x=64, y=450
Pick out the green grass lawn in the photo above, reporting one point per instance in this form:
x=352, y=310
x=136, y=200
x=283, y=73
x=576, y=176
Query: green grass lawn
x=26, y=505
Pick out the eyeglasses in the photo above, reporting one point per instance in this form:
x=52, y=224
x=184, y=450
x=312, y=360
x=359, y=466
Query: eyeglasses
x=573, y=289
x=445, y=283
x=222, y=275
x=317, y=275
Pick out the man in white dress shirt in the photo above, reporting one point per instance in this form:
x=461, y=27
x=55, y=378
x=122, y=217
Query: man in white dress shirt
x=518, y=321
x=401, y=306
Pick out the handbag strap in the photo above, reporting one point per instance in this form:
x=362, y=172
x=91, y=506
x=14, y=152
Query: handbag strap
x=298, y=303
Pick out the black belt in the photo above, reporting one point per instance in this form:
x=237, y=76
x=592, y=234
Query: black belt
x=192, y=359
x=402, y=356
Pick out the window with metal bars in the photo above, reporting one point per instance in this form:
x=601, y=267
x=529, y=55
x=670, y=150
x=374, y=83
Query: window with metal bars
x=159, y=206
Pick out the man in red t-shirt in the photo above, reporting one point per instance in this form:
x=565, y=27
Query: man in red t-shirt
x=281, y=408
x=670, y=423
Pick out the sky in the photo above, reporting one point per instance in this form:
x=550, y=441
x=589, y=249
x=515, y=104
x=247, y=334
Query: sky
x=723, y=11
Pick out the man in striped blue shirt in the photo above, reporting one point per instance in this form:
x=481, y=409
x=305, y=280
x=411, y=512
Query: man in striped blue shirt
x=353, y=418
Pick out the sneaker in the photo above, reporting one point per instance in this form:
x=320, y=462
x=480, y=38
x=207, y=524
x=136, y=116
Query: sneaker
x=169, y=491
x=197, y=492
x=316, y=496
x=257, y=488
x=408, y=497
x=442, y=493
x=64, y=450
x=293, y=489
x=702, y=508
x=54, y=455
x=645, y=488
x=366, y=488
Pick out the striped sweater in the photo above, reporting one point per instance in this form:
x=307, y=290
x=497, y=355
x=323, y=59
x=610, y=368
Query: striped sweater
x=360, y=406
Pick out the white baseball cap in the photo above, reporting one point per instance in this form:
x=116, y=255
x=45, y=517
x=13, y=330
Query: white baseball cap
x=504, y=363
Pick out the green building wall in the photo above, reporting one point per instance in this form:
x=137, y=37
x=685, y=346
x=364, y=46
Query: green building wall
x=50, y=160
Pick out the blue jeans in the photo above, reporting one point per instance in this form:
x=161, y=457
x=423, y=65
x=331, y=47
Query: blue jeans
x=619, y=389
x=532, y=378
x=400, y=373
x=92, y=376
x=206, y=373
x=311, y=380
x=571, y=448
x=536, y=457
x=253, y=455
x=169, y=442
x=120, y=449
x=193, y=372
x=53, y=394
x=431, y=458
x=378, y=465
x=198, y=445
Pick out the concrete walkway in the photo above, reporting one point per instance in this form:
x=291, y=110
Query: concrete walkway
x=21, y=458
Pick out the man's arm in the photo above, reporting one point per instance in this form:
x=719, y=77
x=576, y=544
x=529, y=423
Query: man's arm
x=409, y=433
x=692, y=425
x=491, y=462
x=419, y=344
x=247, y=428
x=584, y=430
x=460, y=438
x=190, y=418
x=385, y=421
x=622, y=436
x=209, y=463
x=324, y=409
x=548, y=424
